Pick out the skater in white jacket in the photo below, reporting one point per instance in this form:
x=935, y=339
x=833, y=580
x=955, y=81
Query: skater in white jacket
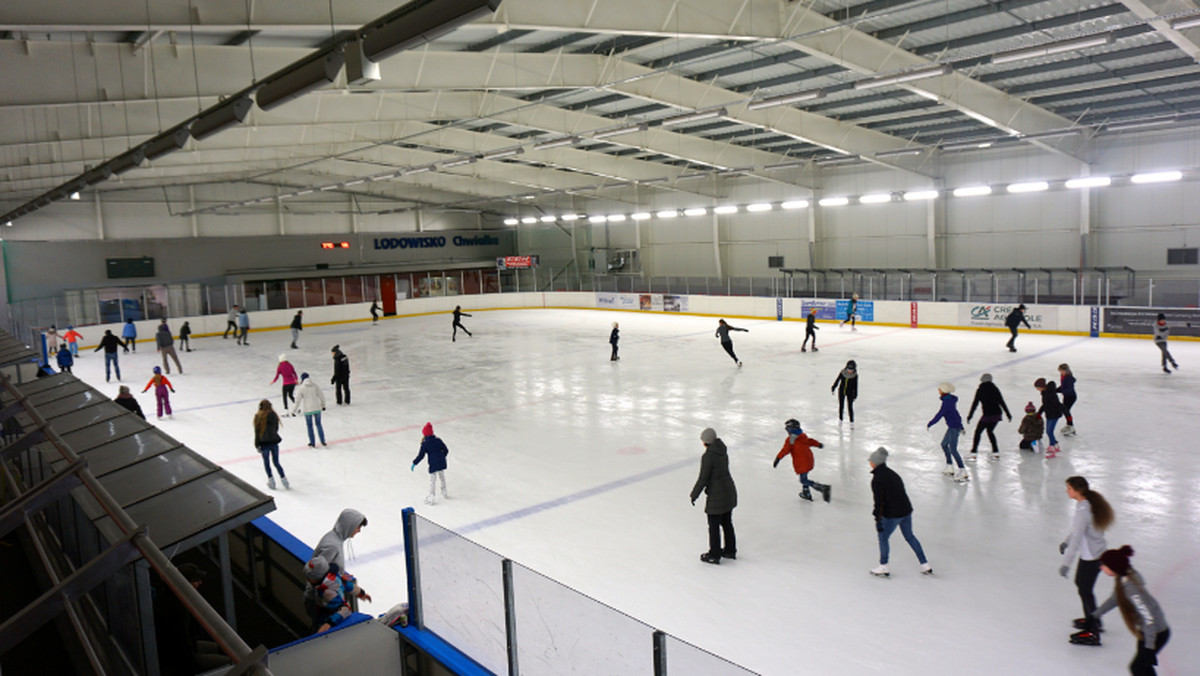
x=310, y=401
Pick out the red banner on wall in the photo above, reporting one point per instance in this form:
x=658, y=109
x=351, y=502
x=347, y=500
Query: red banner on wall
x=912, y=312
x=516, y=262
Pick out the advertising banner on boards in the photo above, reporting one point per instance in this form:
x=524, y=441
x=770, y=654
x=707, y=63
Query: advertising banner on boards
x=992, y=315
x=826, y=309
x=653, y=302
x=1140, y=321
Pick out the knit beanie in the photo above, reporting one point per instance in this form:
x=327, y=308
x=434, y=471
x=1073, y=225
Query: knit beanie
x=316, y=569
x=1040, y=382
x=282, y=358
x=878, y=456
x=1117, y=560
x=1161, y=317
x=985, y=378
x=946, y=388
x=709, y=435
x=303, y=376
x=427, y=430
x=1030, y=408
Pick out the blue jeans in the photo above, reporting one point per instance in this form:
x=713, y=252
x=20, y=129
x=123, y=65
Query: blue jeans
x=271, y=454
x=950, y=446
x=74, y=348
x=804, y=480
x=309, y=419
x=1051, y=423
x=905, y=524
x=110, y=361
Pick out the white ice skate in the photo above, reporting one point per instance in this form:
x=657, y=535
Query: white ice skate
x=961, y=476
x=429, y=499
x=949, y=471
x=1068, y=431
x=285, y=482
x=271, y=482
x=995, y=456
x=881, y=571
x=926, y=569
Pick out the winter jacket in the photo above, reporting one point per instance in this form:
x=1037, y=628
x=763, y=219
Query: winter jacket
x=436, y=450
x=333, y=594
x=72, y=336
x=848, y=381
x=130, y=404
x=232, y=315
x=163, y=337
x=270, y=433
x=891, y=501
x=1084, y=540
x=811, y=324
x=331, y=544
x=65, y=360
x=723, y=332
x=286, y=371
x=715, y=480
x=157, y=380
x=1161, y=332
x=129, y=330
x=1051, y=407
x=1067, y=386
x=800, y=447
x=614, y=337
x=185, y=331
x=988, y=396
x=309, y=398
x=1150, y=619
x=1032, y=427
x=243, y=320
x=296, y=323
x=1016, y=318
x=341, y=368
x=949, y=411
x=109, y=343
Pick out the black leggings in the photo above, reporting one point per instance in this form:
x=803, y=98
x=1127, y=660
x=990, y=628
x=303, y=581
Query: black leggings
x=289, y=391
x=809, y=334
x=1166, y=355
x=716, y=524
x=1012, y=340
x=1085, y=581
x=845, y=402
x=614, y=352
x=1069, y=401
x=1143, y=663
x=988, y=427
x=728, y=345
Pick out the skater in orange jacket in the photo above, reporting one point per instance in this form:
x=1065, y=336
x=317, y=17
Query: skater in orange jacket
x=799, y=445
x=160, y=384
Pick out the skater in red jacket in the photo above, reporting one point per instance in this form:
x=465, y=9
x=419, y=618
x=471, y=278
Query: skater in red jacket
x=799, y=445
x=160, y=384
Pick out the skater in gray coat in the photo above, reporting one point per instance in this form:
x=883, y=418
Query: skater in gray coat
x=716, y=481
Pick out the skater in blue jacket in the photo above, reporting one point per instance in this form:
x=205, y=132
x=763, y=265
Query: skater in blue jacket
x=129, y=333
x=436, y=450
x=954, y=427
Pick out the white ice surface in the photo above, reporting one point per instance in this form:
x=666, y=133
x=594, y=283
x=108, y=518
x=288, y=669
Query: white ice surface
x=580, y=468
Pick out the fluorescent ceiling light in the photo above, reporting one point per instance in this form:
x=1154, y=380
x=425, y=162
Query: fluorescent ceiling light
x=877, y=198
x=695, y=211
x=570, y=217
x=967, y=145
x=833, y=201
x=784, y=165
x=457, y=163
x=840, y=159
x=759, y=206
x=669, y=213
x=899, y=153
x=511, y=221
x=1186, y=22
x=926, y=95
x=546, y=219
x=693, y=117
x=556, y=143
x=1031, y=186
x=415, y=170
x=529, y=220
x=618, y=131
x=795, y=204
x=785, y=99
x=1054, y=48
x=1139, y=125
x=334, y=186
x=910, y=76
x=503, y=153
x=1089, y=182
x=979, y=117
x=303, y=192
x=914, y=195
x=641, y=216
x=597, y=219
x=729, y=209
x=75, y=195
x=616, y=218
x=973, y=191
x=1157, y=177
x=8, y=224
x=359, y=181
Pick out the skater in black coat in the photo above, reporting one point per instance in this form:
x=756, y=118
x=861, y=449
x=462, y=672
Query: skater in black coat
x=988, y=396
x=1052, y=408
x=341, y=374
x=846, y=388
x=458, y=322
x=296, y=327
x=374, y=311
x=892, y=510
x=716, y=481
x=810, y=331
x=185, y=337
x=613, y=339
x=1015, y=319
x=723, y=330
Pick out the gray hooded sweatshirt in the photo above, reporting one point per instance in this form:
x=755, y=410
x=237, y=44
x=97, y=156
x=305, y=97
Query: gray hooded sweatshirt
x=331, y=543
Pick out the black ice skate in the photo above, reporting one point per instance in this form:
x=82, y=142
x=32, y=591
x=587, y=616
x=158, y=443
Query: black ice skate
x=825, y=491
x=711, y=558
x=1082, y=623
x=806, y=495
x=1085, y=638
x=728, y=553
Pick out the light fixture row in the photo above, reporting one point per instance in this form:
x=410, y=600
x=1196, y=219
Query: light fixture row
x=664, y=214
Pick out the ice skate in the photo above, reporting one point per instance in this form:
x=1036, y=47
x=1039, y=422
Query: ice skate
x=445, y=495
x=429, y=499
x=739, y=364
x=926, y=569
x=881, y=571
x=805, y=494
x=1085, y=638
x=973, y=456
x=814, y=348
x=1068, y=431
x=729, y=554
x=854, y=328
x=1082, y=623
x=711, y=558
x=961, y=476
x=1166, y=370
x=995, y=456
x=825, y=489
x=271, y=482
x=949, y=471
x=285, y=482
x=804, y=349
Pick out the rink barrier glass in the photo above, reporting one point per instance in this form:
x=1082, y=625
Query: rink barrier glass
x=512, y=619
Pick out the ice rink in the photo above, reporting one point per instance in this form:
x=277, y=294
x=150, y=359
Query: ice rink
x=580, y=468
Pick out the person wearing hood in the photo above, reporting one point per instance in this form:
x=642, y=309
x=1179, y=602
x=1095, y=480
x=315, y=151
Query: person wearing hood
x=65, y=360
x=332, y=546
x=126, y=401
x=1052, y=408
x=723, y=330
x=341, y=374
x=799, y=445
x=892, y=510
x=954, y=427
x=109, y=343
x=717, y=483
x=846, y=389
x=129, y=334
x=435, y=449
x=286, y=371
x=810, y=331
x=297, y=326
x=166, y=347
x=310, y=401
x=613, y=339
x=988, y=396
x=1161, y=333
x=160, y=384
x=1014, y=320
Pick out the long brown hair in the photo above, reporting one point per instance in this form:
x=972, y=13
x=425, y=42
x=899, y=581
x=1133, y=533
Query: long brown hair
x=1128, y=612
x=260, y=418
x=1102, y=512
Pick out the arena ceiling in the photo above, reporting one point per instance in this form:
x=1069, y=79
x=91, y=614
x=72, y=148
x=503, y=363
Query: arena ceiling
x=592, y=99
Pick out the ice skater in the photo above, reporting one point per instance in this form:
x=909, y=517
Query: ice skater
x=73, y=337
x=341, y=374
x=374, y=311
x=1141, y=611
x=458, y=315
x=717, y=483
x=310, y=401
x=723, y=330
x=851, y=309
x=1161, y=333
x=109, y=343
x=126, y=401
x=435, y=449
x=286, y=371
x=845, y=386
x=1052, y=408
x=613, y=339
x=1015, y=319
x=987, y=395
x=160, y=384
x=52, y=339
x=166, y=347
x=297, y=326
x=65, y=360
x=243, y=323
x=129, y=335
x=799, y=445
x=231, y=323
x=1092, y=516
x=892, y=510
x=954, y=427
x=185, y=337
x=266, y=440
x=1031, y=428
x=1066, y=385
x=810, y=331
